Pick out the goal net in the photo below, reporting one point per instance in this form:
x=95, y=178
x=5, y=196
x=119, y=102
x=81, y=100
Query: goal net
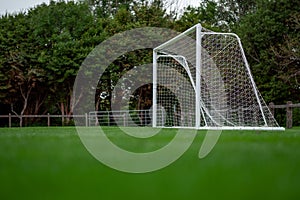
x=201, y=79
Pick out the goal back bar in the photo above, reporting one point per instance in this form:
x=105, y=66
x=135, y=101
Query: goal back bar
x=202, y=80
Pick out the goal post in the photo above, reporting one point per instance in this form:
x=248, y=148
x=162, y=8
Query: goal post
x=202, y=80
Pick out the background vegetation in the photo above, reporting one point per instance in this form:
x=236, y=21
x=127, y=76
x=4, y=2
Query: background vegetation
x=42, y=49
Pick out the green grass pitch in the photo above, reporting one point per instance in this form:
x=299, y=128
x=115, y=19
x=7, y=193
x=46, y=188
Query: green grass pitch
x=52, y=163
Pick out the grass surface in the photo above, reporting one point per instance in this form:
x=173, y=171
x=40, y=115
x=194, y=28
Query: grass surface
x=52, y=163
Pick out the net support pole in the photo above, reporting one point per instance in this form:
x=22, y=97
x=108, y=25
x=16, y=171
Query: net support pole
x=252, y=81
x=198, y=76
x=154, y=100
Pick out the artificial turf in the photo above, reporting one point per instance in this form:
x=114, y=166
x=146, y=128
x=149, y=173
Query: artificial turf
x=52, y=163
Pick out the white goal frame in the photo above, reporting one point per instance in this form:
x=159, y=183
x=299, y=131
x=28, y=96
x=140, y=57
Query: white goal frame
x=202, y=115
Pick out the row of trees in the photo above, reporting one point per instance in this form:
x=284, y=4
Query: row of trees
x=42, y=49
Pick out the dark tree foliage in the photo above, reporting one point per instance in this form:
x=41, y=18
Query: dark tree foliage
x=42, y=49
x=270, y=36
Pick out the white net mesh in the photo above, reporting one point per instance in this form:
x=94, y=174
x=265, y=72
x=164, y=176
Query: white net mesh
x=175, y=93
x=228, y=95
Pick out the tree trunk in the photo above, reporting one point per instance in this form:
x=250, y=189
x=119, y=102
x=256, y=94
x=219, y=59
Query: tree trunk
x=62, y=110
x=25, y=98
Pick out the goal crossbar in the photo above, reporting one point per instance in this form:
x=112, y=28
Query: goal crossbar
x=202, y=80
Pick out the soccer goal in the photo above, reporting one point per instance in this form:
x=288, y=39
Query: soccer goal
x=202, y=80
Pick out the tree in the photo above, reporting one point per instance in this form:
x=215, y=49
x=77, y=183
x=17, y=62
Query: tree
x=206, y=14
x=64, y=34
x=107, y=8
x=142, y=15
x=232, y=11
x=287, y=56
x=271, y=40
x=21, y=76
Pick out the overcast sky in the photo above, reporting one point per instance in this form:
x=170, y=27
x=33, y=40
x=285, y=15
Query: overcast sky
x=11, y=6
